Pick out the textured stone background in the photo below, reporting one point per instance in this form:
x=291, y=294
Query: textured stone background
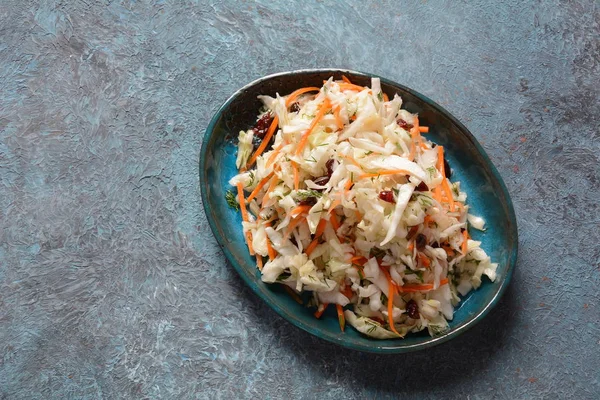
x=111, y=284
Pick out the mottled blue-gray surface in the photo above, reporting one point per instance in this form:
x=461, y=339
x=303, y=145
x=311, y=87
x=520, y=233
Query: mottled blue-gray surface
x=111, y=283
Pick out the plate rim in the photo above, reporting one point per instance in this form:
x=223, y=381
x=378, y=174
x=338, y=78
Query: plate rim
x=380, y=349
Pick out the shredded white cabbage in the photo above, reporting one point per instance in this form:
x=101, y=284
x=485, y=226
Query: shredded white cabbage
x=351, y=202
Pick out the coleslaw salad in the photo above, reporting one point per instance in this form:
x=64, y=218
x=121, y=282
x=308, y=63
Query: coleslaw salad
x=342, y=195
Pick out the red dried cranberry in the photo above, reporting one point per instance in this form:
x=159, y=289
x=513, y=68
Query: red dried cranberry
x=403, y=124
x=262, y=125
x=421, y=242
x=387, y=195
x=447, y=169
x=329, y=166
x=412, y=232
x=295, y=107
x=321, y=181
x=309, y=201
x=422, y=187
x=412, y=309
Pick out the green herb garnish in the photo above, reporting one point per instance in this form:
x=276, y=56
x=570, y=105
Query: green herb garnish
x=231, y=200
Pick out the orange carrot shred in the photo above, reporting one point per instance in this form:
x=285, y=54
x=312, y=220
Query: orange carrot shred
x=385, y=172
x=292, y=97
x=260, y=185
x=424, y=260
x=274, y=154
x=333, y=205
x=335, y=224
x=423, y=129
x=296, y=176
x=271, y=187
x=315, y=242
x=272, y=252
x=293, y=224
x=265, y=141
x=465, y=242
x=345, y=79
x=338, y=119
x=420, y=287
x=299, y=210
x=350, y=86
x=321, y=310
x=386, y=98
x=324, y=107
x=341, y=319
x=240, y=190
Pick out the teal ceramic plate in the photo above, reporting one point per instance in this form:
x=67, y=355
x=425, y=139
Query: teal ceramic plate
x=487, y=197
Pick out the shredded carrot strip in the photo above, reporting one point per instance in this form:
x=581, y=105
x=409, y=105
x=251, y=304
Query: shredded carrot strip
x=260, y=185
x=464, y=243
x=423, y=129
x=345, y=79
x=312, y=246
x=341, y=319
x=320, y=310
x=259, y=262
x=299, y=210
x=315, y=242
x=391, y=292
x=360, y=260
x=358, y=215
x=384, y=172
x=271, y=187
x=296, y=176
x=272, y=252
x=338, y=119
x=240, y=190
x=274, y=154
x=293, y=224
x=335, y=224
x=440, y=161
x=265, y=141
x=325, y=106
x=428, y=218
x=424, y=260
x=386, y=98
x=352, y=160
x=351, y=86
x=292, y=97
x=348, y=292
x=333, y=205
x=420, y=288
x=411, y=246
x=448, y=190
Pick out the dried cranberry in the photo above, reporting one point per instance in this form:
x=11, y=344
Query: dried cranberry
x=412, y=232
x=321, y=181
x=295, y=107
x=421, y=242
x=387, y=195
x=309, y=201
x=329, y=166
x=403, y=124
x=412, y=309
x=262, y=125
x=435, y=245
x=447, y=169
x=422, y=187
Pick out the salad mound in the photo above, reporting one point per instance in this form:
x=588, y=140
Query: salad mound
x=342, y=195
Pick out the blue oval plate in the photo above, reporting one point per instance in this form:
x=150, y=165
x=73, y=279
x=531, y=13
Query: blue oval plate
x=487, y=197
